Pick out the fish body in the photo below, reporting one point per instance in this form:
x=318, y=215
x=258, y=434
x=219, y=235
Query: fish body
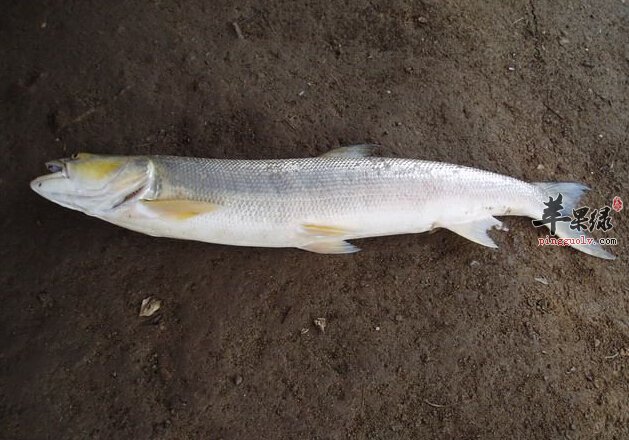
x=316, y=204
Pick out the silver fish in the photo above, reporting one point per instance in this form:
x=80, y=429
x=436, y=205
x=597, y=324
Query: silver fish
x=316, y=204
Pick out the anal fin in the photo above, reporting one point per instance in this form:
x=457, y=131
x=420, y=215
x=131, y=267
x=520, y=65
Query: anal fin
x=476, y=230
x=330, y=247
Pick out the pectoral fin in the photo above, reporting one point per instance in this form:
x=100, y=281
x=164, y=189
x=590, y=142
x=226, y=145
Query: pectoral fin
x=330, y=247
x=360, y=150
x=476, y=230
x=178, y=209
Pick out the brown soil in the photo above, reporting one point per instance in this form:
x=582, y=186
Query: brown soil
x=427, y=335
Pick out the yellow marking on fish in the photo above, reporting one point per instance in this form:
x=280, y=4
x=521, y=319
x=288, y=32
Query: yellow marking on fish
x=324, y=231
x=179, y=209
x=97, y=169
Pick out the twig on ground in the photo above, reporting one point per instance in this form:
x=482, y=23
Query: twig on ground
x=238, y=30
x=434, y=405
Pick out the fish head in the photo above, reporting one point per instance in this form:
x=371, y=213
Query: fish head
x=95, y=184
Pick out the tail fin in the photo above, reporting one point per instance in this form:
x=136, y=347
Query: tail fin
x=571, y=193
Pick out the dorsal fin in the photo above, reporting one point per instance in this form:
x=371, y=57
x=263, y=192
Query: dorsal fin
x=359, y=150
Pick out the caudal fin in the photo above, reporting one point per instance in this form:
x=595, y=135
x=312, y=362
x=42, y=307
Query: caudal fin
x=571, y=194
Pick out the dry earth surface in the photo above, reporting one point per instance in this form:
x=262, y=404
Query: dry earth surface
x=427, y=336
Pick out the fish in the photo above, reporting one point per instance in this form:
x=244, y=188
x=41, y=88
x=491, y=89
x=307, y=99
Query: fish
x=318, y=204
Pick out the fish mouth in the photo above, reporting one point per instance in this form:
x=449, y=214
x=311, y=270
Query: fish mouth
x=42, y=186
x=56, y=166
x=38, y=182
x=58, y=171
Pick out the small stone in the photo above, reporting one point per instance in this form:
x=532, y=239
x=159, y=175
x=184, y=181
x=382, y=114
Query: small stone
x=150, y=306
x=542, y=280
x=46, y=300
x=377, y=328
x=474, y=263
x=422, y=20
x=399, y=318
x=320, y=323
x=597, y=343
x=304, y=330
x=564, y=41
x=540, y=167
x=238, y=380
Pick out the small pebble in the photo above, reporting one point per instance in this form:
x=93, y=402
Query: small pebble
x=542, y=280
x=320, y=323
x=540, y=167
x=238, y=380
x=149, y=306
x=597, y=343
x=398, y=318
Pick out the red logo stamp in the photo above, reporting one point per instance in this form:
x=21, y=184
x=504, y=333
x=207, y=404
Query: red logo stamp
x=617, y=204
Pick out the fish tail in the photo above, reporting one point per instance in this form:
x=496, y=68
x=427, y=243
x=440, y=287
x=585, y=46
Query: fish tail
x=571, y=193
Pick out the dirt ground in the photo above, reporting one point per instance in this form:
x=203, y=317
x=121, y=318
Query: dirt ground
x=427, y=336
